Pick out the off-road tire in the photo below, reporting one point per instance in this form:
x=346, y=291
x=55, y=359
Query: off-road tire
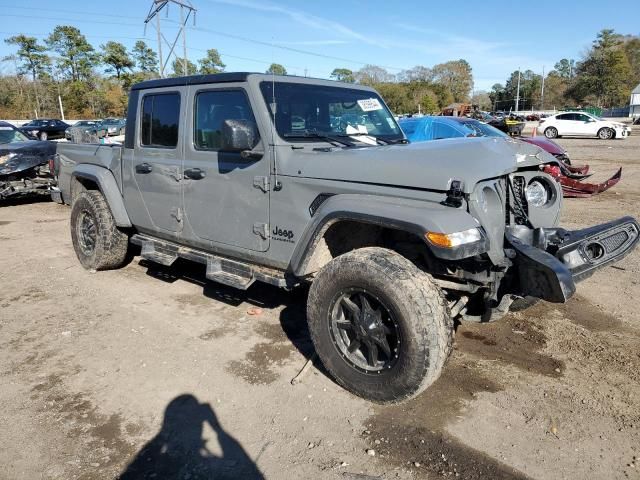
x=606, y=133
x=551, y=132
x=111, y=244
x=418, y=305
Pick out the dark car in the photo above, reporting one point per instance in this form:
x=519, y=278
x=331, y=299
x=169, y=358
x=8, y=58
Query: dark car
x=86, y=127
x=24, y=163
x=45, y=128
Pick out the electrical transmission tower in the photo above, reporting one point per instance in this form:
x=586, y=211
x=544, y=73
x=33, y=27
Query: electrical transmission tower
x=186, y=11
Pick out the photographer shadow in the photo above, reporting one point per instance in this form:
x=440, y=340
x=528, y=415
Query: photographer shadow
x=178, y=451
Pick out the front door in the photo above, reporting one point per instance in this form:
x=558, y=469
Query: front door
x=226, y=196
x=157, y=162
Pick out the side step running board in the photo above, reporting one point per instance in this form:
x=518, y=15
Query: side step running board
x=229, y=272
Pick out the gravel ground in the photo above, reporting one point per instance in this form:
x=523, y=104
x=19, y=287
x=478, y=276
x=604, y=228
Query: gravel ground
x=150, y=372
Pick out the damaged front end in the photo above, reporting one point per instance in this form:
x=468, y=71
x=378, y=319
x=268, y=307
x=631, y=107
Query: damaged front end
x=549, y=261
x=23, y=173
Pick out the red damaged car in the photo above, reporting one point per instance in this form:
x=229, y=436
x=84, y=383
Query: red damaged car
x=570, y=176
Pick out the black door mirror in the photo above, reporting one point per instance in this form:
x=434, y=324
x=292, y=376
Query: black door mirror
x=239, y=135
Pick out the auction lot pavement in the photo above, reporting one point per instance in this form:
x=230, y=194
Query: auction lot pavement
x=150, y=372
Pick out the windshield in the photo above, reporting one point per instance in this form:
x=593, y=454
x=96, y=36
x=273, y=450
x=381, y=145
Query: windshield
x=85, y=124
x=9, y=135
x=306, y=110
x=482, y=129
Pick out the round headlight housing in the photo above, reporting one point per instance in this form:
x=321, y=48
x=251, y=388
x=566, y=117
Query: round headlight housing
x=537, y=194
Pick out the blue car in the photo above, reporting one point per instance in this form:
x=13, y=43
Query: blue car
x=426, y=128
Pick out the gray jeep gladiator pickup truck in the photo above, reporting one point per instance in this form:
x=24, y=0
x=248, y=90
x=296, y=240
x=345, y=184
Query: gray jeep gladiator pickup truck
x=295, y=181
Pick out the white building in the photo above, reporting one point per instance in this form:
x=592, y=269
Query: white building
x=634, y=104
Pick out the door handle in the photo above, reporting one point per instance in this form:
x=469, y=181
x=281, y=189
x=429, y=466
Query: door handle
x=194, y=173
x=143, y=168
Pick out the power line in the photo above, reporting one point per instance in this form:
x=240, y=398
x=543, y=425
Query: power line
x=223, y=34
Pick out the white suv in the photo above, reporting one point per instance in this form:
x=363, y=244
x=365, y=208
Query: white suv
x=581, y=124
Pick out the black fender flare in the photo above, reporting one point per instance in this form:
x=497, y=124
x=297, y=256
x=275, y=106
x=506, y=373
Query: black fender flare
x=107, y=184
x=414, y=216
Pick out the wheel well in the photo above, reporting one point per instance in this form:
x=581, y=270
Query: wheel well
x=80, y=184
x=347, y=235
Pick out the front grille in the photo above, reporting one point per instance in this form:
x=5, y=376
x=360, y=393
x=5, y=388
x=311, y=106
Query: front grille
x=615, y=241
x=520, y=207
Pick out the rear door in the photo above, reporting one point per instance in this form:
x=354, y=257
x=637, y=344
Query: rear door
x=225, y=196
x=564, y=123
x=157, y=161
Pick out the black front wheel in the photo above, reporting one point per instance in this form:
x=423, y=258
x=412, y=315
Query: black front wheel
x=380, y=326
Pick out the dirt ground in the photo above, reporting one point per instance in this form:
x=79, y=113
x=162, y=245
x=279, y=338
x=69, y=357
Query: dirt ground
x=150, y=372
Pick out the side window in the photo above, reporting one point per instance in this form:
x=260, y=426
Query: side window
x=583, y=118
x=160, y=120
x=565, y=116
x=442, y=130
x=212, y=108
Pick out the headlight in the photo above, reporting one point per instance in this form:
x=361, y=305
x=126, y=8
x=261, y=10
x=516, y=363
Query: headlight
x=451, y=240
x=537, y=194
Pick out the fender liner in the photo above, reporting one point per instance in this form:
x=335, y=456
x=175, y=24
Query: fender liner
x=414, y=216
x=107, y=184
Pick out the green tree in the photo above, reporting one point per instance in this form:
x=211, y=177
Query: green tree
x=605, y=73
x=343, y=75
x=31, y=56
x=456, y=75
x=115, y=55
x=276, y=69
x=632, y=50
x=565, y=68
x=211, y=63
x=178, y=68
x=76, y=56
x=145, y=58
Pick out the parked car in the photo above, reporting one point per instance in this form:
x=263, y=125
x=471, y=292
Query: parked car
x=45, y=128
x=397, y=241
x=24, y=163
x=114, y=126
x=532, y=117
x=88, y=127
x=570, y=177
x=581, y=124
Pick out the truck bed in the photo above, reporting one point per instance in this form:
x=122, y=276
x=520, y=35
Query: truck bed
x=71, y=154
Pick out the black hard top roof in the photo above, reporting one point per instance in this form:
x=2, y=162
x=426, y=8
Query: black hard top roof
x=192, y=80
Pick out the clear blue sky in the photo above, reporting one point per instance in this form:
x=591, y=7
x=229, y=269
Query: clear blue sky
x=495, y=37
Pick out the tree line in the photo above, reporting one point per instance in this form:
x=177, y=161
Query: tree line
x=92, y=83
x=603, y=78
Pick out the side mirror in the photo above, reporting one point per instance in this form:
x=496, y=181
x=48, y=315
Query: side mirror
x=239, y=135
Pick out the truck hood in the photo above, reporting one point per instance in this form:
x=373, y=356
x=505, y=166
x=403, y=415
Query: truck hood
x=426, y=165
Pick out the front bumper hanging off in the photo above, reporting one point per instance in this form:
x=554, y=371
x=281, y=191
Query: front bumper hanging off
x=550, y=261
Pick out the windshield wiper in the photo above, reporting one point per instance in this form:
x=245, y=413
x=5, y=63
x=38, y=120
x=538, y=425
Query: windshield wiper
x=320, y=136
x=381, y=141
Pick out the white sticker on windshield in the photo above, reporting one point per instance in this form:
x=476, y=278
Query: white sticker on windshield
x=369, y=104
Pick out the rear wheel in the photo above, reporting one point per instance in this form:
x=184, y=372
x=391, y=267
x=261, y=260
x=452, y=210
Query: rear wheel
x=380, y=326
x=97, y=241
x=605, y=133
x=551, y=132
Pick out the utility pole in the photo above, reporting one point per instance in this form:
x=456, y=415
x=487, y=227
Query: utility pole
x=542, y=91
x=185, y=7
x=518, y=91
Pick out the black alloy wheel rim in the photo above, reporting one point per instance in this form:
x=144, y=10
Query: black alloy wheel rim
x=364, y=331
x=87, y=233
